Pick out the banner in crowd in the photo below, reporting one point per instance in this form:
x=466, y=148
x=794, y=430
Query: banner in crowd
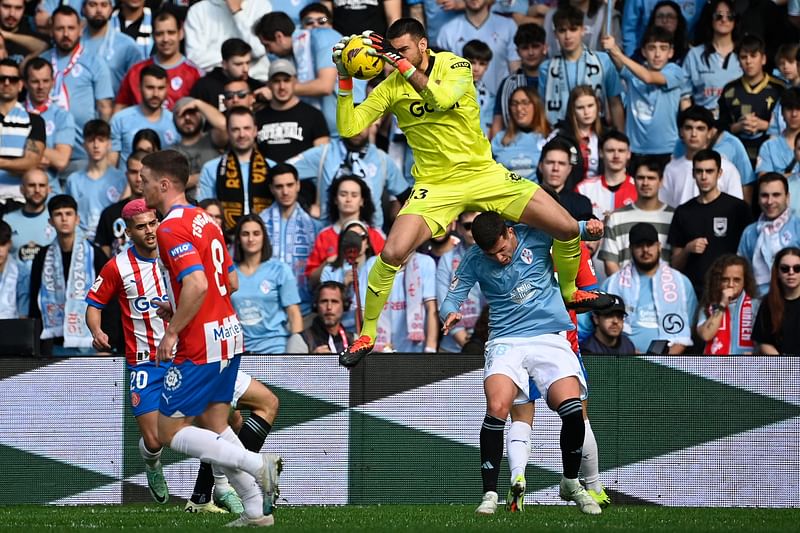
x=697, y=431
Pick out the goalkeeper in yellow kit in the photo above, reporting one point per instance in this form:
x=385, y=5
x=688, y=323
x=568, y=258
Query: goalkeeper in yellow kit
x=433, y=97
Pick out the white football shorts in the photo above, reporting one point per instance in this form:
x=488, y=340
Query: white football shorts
x=544, y=358
x=243, y=380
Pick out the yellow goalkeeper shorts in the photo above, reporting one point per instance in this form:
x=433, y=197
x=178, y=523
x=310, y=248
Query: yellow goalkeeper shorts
x=495, y=189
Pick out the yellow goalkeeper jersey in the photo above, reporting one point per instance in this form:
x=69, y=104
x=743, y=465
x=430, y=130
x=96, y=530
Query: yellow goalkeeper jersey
x=441, y=124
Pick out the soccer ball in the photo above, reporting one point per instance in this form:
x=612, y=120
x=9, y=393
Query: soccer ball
x=358, y=63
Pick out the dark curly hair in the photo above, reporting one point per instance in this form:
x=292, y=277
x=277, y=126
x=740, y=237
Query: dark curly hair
x=367, y=212
x=712, y=291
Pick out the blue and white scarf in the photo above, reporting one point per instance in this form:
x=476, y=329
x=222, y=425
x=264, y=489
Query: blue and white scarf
x=770, y=241
x=145, y=37
x=304, y=63
x=8, y=289
x=669, y=288
x=298, y=241
x=589, y=72
x=63, y=308
x=14, y=132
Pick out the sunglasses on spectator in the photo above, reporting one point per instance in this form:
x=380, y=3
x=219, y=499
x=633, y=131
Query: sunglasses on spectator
x=786, y=268
x=467, y=225
x=9, y=79
x=319, y=21
x=237, y=94
x=718, y=17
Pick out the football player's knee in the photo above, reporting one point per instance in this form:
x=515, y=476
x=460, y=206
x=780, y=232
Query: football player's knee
x=235, y=420
x=164, y=439
x=267, y=407
x=394, y=255
x=152, y=441
x=498, y=407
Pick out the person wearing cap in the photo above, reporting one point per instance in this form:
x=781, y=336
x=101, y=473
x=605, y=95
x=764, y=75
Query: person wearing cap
x=659, y=300
x=310, y=50
x=182, y=73
x=239, y=177
x=288, y=126
x=608, y=337
x=190, y=116
x=149, y=113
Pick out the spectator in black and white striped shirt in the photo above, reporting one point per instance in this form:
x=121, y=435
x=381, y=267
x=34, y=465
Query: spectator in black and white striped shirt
x=615, y=249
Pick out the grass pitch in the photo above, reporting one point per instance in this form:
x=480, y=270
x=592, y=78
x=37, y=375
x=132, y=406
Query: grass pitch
x=427, y=518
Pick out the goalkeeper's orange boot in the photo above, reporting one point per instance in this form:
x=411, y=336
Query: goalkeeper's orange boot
x=585, y=301
x=354, y=353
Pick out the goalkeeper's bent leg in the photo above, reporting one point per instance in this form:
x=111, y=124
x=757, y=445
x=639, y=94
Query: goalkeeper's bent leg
x=543, y=212
x=379, y=286
x=567, y=260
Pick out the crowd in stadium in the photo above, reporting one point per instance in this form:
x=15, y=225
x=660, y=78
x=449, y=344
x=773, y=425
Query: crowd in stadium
x=674, y=123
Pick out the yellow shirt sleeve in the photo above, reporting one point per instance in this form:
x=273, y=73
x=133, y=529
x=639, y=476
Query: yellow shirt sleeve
x=351, y=119
x=447, y=85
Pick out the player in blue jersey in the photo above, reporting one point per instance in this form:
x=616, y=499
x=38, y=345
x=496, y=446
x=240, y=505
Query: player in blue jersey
x=527, y=320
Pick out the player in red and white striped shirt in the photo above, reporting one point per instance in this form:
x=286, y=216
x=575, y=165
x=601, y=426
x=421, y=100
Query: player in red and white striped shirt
x=134, y=278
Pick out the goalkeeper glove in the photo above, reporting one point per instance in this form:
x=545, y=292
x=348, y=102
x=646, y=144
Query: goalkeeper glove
x=337, y=56
x=383, y=49
x=345, y=80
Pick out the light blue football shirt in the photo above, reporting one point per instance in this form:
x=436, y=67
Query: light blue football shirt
x=117, y=49
x=652, y=110
x=127, y=123
x=261, y=303
x=522, y=154
x=94, y=195
x=497, y=31
x=89, y=80
x=523, y=296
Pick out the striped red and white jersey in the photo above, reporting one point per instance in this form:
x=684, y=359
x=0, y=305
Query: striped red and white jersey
x=138, y=284
x=604, y=199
